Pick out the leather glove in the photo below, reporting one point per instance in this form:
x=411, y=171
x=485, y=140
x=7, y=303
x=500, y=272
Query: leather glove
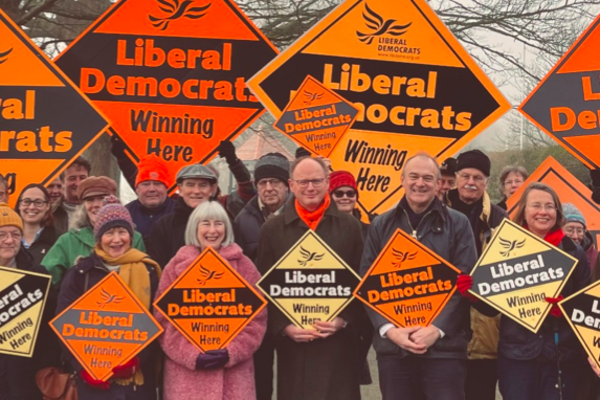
x=302, y=152
x=127, y=370
x=595, y=175
x=227, y=151
x=464, y=283
x=94, y=383
x=117, y=147
x=212, y=359
x=555, y=311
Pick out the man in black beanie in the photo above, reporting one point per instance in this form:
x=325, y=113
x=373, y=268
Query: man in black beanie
x=471, y=198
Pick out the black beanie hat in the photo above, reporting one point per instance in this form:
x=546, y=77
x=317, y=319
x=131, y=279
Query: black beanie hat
x=272, y=165
x=448, y=167
x=474, y=159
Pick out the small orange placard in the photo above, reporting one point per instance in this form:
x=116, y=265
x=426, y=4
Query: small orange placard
x=106, y=327
x=210, y=302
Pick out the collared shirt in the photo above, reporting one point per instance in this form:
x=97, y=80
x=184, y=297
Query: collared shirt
x=266, y=212
x=37, y=236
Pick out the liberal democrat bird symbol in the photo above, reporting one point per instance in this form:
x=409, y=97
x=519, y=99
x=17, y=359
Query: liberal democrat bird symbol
x=309, y=257
x=108, y=298
x=402, y=256
x=208, y=275
x=510, y=246
x=380, y=27
x=177, y=10
x=4, y=55
x=311, y=97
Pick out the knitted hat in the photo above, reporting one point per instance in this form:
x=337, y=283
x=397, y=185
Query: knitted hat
x=8, y=217
x=152, y=168
x=272, y=165
x=112, y=214
x=448, y=167
x=96, y=186
x=302, y=152
x=474, y=159
x=338, y=179
x=572, y=214
x=197, y=171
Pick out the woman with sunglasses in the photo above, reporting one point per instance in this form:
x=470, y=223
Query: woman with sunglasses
x=39, y=234
x=344, y=192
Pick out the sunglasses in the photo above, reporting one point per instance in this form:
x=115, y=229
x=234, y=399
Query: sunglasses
x=341, y=193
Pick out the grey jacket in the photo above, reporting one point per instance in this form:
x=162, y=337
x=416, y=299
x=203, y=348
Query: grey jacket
x=448, y=234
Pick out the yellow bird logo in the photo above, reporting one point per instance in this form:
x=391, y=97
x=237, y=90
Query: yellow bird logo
x=379, y=26
x=311, y=97
x=510, y=246
x=402, y=256
x=309, y=257
x=108, y=298
x=4, y=55
x=208, y=275
x=176, y=10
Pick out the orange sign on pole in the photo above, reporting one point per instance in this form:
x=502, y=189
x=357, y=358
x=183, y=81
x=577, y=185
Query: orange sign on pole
x=210, y=303
x=416, y=89
x=106, y=327
x=566, y=103
x=171, y=75
x=45, y=121
x=408, y=283
x=317, y=117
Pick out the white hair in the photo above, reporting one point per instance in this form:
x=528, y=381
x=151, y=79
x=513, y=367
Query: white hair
x=207, y=211
x=80, y=218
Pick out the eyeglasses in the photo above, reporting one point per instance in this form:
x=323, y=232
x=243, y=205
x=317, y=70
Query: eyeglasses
x=341, y=193
x=538, y=207
x=515, y=182
x=273, y=182
x=38, y=203
x=476, y=178
x=303, y=183
x=17, y=235
x=571, y=230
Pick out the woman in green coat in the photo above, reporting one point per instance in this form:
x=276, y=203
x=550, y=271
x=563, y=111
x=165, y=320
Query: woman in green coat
x=79, y=240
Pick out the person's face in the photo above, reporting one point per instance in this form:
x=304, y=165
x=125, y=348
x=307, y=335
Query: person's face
x=55, y=190
x=540, y=212
x=309, y=184
x=33, y=206
x=196, y=191
x=10, y=244
x=447, y=183
x=211, y=233
x=272, y=192
x=3, y=193
x=471, y=184
x=345, y=198
x=92, y=205
x=115, y=241
x=420, y=182
x=512, y=183
x=151, y=193
x=73, y=177
x=574, y=230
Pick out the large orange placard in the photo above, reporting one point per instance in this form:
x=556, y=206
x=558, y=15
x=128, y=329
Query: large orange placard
x=415, y=87
x=171, y=75
x=45, y=121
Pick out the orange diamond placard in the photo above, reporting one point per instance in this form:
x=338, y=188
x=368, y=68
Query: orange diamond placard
x=408, y=284
x=414, y=85
x=566, y=103
x=106, y=327
x=45, y=121
x=317, y=117
x=171, y=74
x=210, y=303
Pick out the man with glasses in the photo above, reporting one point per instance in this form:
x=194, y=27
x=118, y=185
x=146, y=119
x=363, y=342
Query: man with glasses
x=320, y=363
x=471, y=199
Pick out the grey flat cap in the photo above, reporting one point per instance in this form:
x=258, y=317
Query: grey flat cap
x=197, y=171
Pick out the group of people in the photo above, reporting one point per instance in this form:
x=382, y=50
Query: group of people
x=77, y=231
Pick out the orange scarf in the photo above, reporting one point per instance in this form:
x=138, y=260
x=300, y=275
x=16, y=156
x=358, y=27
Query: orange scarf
x=312, y=218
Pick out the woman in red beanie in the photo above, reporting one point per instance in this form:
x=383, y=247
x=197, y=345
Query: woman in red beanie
x=343, y=191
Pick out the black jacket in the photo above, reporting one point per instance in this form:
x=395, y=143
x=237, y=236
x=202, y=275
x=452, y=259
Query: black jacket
x=17, y=374
x=78, y=280
x=448, y=234
x=40, y=247
x=144, y=218
x=168, y=234
x=519, y=343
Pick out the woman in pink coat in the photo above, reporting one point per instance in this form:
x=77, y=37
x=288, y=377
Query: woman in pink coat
x=226, y=374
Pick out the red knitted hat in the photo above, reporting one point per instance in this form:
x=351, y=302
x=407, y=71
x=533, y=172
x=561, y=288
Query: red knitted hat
x=338, y=179
x=152, y=168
